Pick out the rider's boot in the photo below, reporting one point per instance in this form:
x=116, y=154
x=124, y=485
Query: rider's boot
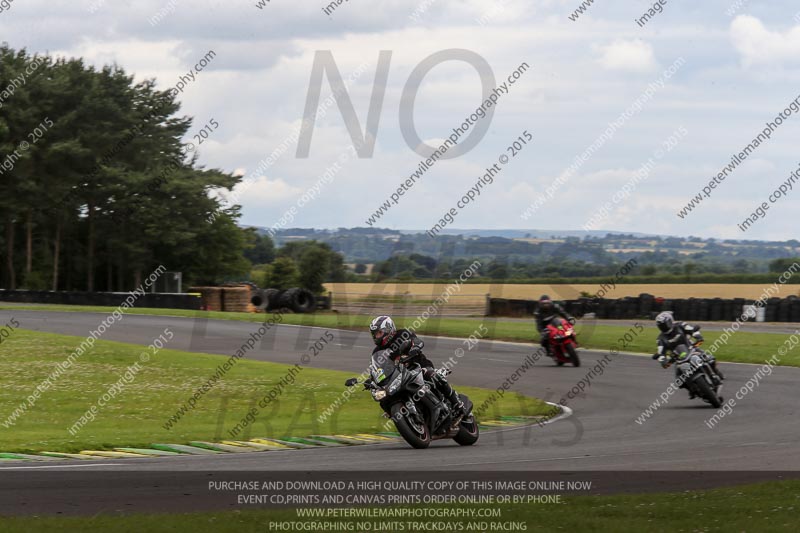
x=459, y=410
x=717, y=371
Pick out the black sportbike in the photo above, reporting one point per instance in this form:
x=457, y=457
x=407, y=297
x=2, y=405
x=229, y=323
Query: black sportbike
x=419, y=411
x=696, y=373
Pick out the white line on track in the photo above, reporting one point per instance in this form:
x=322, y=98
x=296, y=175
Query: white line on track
x=566, y=412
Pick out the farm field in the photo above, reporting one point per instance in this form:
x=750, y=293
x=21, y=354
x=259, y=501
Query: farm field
x=476, y=292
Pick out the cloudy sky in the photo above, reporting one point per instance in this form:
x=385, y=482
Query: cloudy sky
x=735, y=66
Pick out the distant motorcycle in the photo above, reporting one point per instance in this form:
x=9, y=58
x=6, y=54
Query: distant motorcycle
x=697, y=374
x=563, y=342
x=419, y=411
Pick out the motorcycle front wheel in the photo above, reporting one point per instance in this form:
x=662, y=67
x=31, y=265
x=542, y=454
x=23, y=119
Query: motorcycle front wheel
x=573, y=355
x=414, y=433
x=707, y=392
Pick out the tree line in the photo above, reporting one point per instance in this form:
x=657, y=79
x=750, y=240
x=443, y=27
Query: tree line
x=306, y=264
x=96, y=188
x=652, y=267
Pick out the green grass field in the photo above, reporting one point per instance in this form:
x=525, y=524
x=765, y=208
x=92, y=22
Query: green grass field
x=750, y=508
x=135, y=417
x=742, y=347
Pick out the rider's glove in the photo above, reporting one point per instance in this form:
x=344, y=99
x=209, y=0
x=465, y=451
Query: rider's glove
x=571, y=320
x=405, y=346
x=414, y=351
x=443, y=372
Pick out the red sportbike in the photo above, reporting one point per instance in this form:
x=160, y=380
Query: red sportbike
x=563, y=342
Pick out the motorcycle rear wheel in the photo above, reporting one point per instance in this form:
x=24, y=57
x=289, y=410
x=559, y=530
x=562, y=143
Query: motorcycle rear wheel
x=417, y=439
x=468, y=432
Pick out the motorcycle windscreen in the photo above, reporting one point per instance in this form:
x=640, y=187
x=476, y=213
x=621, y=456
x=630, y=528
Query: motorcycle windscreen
x=382, y=367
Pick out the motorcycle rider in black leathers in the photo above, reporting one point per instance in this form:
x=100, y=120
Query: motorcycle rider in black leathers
x=679, y=338
x=406, y=347
x=545, y=312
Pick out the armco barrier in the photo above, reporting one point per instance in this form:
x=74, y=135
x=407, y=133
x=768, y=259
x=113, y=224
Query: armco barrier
x=159, y=300
x=647, y=306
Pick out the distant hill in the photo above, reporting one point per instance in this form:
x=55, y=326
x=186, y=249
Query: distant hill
x=519, y=233
x=668, y=254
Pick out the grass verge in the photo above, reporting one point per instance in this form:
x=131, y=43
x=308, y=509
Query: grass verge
x=136, y=415
x=742, y=347
x=762, y=507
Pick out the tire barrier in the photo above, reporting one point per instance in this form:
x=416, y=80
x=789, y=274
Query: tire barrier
x=260, y=300
x=298, y=300
x=272, y=295
x=295, y=299
x=157, y=300
x=648, y=306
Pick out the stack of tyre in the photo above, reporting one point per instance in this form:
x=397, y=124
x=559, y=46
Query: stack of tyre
x=296, y=299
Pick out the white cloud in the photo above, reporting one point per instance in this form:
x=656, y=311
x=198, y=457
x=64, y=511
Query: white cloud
x=758, y=45
x=631, y=55
x=155, y=58
x=265, y=192
x=583, y=75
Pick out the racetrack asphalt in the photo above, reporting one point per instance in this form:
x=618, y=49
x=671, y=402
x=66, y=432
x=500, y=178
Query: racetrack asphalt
x=758, y=441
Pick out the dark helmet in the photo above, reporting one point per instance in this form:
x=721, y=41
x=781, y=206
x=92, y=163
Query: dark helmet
x=545, y=303
x=382, y=329
x=665, y=322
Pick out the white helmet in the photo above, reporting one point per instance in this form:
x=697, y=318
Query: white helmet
x=382, y=329
x=665, y=322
